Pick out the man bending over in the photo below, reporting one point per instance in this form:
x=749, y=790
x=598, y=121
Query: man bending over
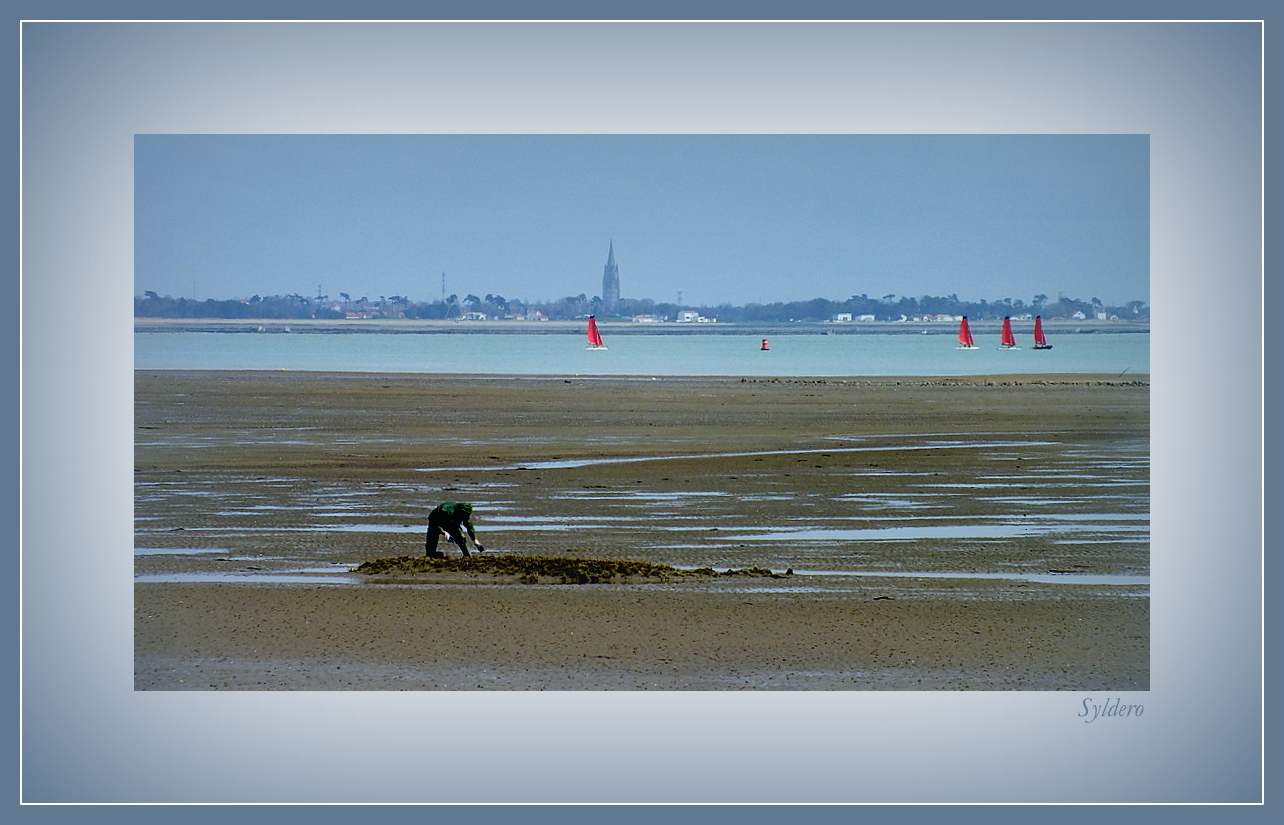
x=448, y=517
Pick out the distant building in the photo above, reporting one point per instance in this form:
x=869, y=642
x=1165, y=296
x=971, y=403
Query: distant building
x=842, y=317
x=688, y=316
x=610, y=283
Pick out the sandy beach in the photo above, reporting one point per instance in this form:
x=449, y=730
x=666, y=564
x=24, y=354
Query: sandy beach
x=941, y=534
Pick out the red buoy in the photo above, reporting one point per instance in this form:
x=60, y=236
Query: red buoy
x=765, y=347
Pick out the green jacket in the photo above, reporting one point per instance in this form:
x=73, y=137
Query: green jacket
x=454, y=514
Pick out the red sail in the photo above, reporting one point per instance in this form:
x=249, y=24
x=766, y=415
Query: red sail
x=594, y=337
x=965, y=334
x=1009, y=340
x=1039, y=338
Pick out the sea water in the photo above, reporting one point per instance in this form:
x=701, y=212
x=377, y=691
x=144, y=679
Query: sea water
x=637, y=355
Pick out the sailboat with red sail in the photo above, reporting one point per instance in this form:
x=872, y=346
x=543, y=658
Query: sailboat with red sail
x=1009, y=340
x=1040, y=340
x=965, y=336
x=594, y=337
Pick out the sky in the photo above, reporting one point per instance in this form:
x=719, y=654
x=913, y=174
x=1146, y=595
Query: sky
x=701, y=220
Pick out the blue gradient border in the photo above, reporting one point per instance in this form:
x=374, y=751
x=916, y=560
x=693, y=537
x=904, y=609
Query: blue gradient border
x=88, y=88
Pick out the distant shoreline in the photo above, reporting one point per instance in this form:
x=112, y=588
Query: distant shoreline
x=435, y=327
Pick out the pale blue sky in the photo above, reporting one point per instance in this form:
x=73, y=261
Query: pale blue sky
x=720, y=218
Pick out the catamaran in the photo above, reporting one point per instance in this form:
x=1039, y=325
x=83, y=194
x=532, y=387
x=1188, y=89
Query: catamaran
x=965, y=336
x=1009, y=340
x=1040, y=340
x=594, y=337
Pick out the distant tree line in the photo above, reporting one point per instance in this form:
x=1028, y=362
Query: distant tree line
x=903, y=307
x=886, y=308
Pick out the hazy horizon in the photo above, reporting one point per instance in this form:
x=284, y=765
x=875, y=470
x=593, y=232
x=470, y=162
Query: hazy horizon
x=718, y=219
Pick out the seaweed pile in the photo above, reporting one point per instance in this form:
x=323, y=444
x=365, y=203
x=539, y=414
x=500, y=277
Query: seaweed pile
x=537, y=569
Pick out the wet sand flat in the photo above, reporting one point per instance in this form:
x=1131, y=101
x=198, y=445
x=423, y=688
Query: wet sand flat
x=217, y=636
x=244, y=474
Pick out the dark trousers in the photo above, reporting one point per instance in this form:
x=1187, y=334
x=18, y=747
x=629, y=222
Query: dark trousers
x=435, y=530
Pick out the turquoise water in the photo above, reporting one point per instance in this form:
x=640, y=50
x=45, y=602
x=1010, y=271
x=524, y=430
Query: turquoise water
x=691, y=354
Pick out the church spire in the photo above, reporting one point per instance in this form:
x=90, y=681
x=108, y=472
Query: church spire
x=610, y=282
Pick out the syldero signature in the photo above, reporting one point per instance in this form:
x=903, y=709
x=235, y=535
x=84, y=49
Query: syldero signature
x=1091, y=710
